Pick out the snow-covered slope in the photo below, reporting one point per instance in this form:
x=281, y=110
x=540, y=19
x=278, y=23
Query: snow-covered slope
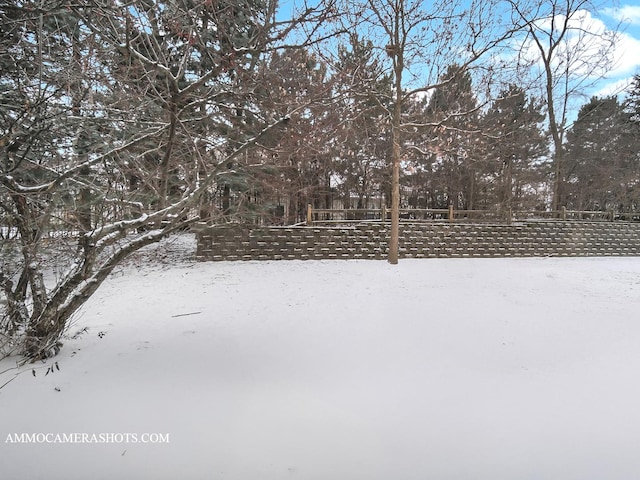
x=434, y=369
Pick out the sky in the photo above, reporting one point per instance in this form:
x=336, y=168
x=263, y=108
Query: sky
x=626, y=19
x=612, y=16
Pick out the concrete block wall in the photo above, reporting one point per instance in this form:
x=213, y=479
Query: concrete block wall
x=427, y=240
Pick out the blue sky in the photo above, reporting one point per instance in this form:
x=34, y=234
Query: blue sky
x=622, y=16
x=626, y=18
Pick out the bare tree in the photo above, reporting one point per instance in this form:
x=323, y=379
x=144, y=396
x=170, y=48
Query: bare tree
x=116, y=119
x=567, y=51
x=419, y=41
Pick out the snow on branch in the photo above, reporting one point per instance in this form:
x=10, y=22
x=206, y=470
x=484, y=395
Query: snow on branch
x=15, y=187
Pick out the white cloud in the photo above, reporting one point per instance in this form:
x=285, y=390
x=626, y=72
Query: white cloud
x=613, y=88
x=626, y=14
x=626, y=58
x=590, y=49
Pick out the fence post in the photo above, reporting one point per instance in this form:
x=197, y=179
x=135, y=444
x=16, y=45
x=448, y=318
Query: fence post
x=612, y=215
x=563, y=213
x=451, y=213
x=309, y=215
x=383, y=213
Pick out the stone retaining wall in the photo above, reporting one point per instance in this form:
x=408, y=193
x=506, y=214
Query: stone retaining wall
x=432, y=240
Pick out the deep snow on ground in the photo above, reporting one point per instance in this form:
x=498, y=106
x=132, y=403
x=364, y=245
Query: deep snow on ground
x=432, y=369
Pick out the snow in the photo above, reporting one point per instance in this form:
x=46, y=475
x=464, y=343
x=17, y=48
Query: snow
x=431, y=369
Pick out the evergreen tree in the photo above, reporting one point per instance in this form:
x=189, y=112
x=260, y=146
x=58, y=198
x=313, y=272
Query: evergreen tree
x=362, y=146
x=632, y=103
x=514, y=148
x=602, y=157
x=299, y=164
x=452, y=112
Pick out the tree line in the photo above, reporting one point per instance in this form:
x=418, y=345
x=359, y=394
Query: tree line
x=122, y=123
x=497, y=155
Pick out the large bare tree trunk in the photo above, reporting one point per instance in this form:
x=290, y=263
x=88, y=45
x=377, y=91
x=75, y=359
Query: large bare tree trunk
x=395, y=187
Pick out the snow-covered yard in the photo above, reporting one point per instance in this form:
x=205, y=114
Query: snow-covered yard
x=433, y=369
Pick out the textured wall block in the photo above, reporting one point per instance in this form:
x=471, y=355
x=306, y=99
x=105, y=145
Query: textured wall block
x=419, y=241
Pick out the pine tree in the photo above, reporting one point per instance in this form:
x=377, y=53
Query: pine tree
x=457, y=168
x=297, y=166
x=632, y=102
x=603, y=164
x=514, y=148
x=362, y=147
